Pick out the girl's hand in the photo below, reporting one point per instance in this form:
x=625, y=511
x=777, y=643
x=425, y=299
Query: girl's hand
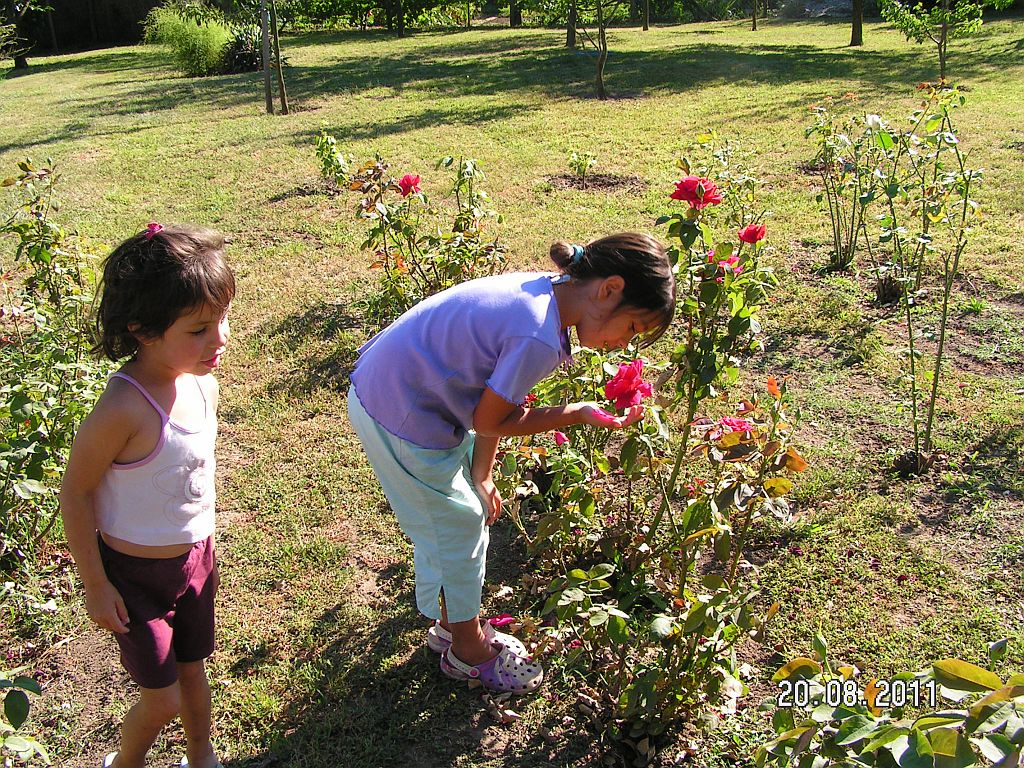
x=592, y=414
x=106, y=608
x=491, y=498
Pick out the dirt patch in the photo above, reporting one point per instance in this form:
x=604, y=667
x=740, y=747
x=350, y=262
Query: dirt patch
x=599, y=182
x=82, y=678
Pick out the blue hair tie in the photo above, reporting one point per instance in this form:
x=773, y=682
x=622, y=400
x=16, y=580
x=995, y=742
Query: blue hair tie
x=577, y=254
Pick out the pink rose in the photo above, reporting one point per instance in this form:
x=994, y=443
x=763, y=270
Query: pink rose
x=732, y=424
x=733, y=263
x=698, y=191
x=560, y=438
x=627, y=387
x=409, y=184
x=752, y=233
x=501, y=620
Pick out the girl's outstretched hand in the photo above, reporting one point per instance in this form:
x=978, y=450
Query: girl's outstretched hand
x=491, y=498
x=598, y=417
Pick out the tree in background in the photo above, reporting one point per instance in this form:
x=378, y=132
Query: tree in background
x=857, y=24
x=15, y=16
x=940, y=22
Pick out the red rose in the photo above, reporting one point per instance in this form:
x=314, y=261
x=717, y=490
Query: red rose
x=697, y=191
x=752, y=233
x=560, y=438
x=409, y=184
x=627, y=387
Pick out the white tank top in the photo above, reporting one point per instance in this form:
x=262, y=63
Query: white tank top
x=167, y=497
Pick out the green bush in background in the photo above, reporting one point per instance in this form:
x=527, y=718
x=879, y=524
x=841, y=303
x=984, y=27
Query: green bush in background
x=198, y=47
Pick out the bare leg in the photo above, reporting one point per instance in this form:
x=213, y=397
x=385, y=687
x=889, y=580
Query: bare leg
x=155, y=709
x=468, y=642
x=195, y=714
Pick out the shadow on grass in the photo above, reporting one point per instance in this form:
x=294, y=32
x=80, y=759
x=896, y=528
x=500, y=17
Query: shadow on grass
x=369, y=693
x=514, y=66
x=325, y=339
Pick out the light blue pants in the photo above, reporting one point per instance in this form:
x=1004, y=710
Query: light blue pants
x=437, y=506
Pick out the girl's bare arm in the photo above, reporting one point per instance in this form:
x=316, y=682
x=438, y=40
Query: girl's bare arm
x=101, y=437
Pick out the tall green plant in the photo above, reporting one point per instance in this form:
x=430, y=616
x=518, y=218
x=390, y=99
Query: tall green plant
x=844, y=162
x=929, y=214
x=50, y=382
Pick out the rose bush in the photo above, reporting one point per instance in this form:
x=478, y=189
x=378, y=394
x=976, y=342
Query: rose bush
x=617, y=523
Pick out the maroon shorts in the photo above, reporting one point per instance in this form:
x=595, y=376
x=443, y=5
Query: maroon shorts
x=170, y=610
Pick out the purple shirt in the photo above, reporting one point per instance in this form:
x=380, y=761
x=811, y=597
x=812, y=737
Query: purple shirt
x=422, y=377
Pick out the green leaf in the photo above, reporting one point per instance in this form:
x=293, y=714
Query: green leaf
x=798, y=669
x=618, y=631
x=856, y=729
x=939, y=719
x=18, y=744
x=28, y=684
x=995, y=746
x=918, y=753
x=16, y=707
x=960, y=675
x=951, y=749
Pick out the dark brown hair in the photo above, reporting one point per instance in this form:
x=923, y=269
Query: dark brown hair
x=151, y=279
x=639, y=260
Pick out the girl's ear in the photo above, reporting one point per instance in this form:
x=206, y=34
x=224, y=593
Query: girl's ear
x=611, y=287
x=133, y=329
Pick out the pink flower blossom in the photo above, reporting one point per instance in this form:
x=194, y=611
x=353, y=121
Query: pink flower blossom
x=698, y=191
x=409, y=184
x=732, y=424
x=627, y=388
x=730, y=263
x=752, y=233
x=501, y=620
x=560, y=438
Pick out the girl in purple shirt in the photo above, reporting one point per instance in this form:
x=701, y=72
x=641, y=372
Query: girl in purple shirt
x=434, y=392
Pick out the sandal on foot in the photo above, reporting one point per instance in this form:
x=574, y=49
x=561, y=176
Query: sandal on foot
x=184, y=763
x=109, y=760
x=506, y=672
x=439, y=639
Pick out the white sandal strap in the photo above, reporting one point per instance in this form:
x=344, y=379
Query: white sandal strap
x=456, y=663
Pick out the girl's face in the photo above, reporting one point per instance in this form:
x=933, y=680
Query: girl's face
x=193, y=344
x=617, y=329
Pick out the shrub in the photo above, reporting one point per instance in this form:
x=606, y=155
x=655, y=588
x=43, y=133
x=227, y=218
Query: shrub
x=198, y=48
x=51, y=382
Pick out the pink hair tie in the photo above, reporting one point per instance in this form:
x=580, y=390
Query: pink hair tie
x=151, y=229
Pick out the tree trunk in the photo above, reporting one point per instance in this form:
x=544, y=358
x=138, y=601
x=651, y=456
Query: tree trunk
x=634, y=12
x=857, y=30
x=53, y=32
x=753, y=18
x=602, y=51
x=268, y=90
x=469, y=14
x=570, y=27
x=400, y=14
x=389, y=15
x=647, y=15
x=515, y=15
x=282, y=92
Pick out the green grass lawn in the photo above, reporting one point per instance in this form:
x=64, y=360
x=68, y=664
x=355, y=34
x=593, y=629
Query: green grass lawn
x=320, y=661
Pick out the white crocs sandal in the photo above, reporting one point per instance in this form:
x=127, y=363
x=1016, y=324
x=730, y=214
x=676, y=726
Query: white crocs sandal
x=439, y=639
x=507, y=672
x=109, y=760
